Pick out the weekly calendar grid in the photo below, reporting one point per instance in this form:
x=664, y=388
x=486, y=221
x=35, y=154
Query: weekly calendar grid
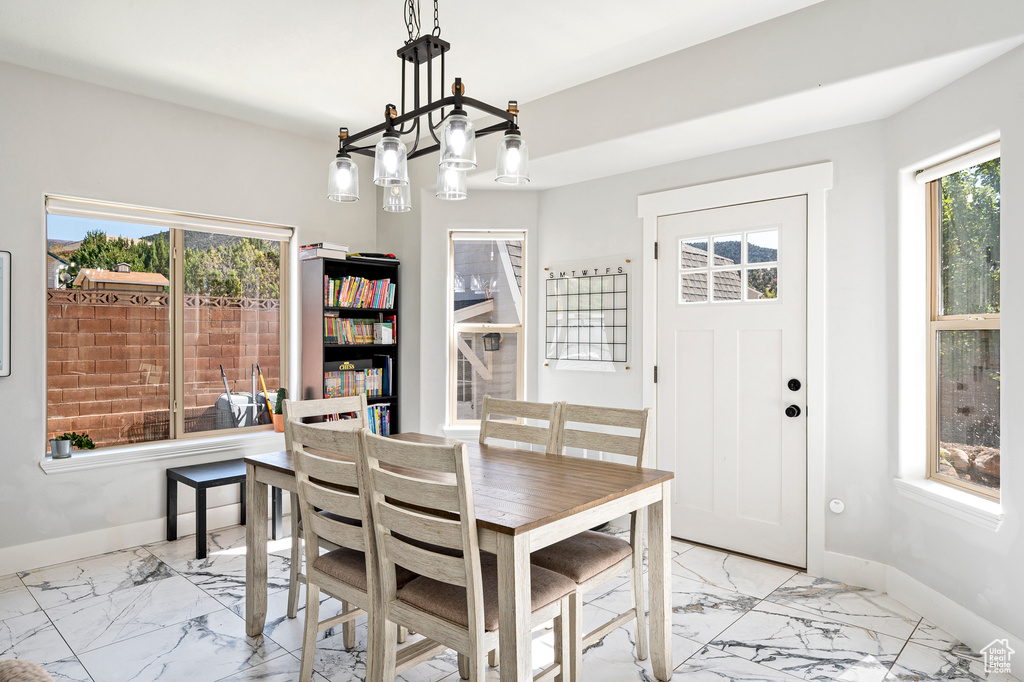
x=586, y=317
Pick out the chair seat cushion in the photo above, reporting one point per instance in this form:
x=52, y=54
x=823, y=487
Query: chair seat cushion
x=449, y=601
x=582, y=556
x=349, y=566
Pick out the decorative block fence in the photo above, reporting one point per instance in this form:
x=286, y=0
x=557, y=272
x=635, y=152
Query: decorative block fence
x=108, y=359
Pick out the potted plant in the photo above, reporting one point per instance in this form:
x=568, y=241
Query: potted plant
x=278, y=415
x=60, y=446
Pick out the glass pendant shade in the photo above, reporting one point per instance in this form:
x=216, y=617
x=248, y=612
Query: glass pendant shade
x=397, y=199
x=451, y=184
x=513, y=164
x=458, y=142
x=343, y=179
x=390, y=162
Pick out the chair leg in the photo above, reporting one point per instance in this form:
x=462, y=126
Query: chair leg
x=348, y=628
x=638, y=602
x=309, y=632
x=296, y=560
x=563, y=645
x=576, y=637
x=383, y=650
x=464, y=666
x=477, y=666
x=492, y=658
x=403, y=634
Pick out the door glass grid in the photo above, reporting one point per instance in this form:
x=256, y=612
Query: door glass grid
x=739, y=267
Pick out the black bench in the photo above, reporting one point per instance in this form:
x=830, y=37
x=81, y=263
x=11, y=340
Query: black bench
x=205, y=476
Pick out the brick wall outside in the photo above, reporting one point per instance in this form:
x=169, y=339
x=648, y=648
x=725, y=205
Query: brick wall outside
x=108, y=359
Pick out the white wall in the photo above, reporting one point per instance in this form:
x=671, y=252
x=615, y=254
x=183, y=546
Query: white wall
x=68, y=137
x=976, y=567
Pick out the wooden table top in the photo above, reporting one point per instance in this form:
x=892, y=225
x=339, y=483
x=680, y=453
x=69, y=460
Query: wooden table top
x=517, y=491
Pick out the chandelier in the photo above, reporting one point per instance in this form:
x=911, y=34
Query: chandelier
x=452, y=134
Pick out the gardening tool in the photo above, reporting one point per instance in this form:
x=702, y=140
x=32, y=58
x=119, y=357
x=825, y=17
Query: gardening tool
x=263, y=385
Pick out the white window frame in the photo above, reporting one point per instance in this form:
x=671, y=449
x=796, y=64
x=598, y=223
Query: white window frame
x=932, y=179
x=236, y=442
x=455, y=327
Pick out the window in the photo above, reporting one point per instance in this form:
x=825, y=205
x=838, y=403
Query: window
x=740, y=267
x=963, y=328
x=486, y=272
x=157, y=322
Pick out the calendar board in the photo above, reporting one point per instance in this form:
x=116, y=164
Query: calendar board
x=587, y=311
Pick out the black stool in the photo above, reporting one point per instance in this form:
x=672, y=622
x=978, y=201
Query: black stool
x=211, y=475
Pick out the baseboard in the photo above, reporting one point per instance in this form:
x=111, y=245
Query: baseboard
x=966, y=625
x=75, y=547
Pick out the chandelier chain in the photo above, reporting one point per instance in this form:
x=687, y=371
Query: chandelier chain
x=412, y=19
x=437, y=24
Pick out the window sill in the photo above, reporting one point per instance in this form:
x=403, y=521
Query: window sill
x=959, y=503
x=228, y=446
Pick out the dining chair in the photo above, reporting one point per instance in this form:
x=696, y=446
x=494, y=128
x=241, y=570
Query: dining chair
x=592, y=558
x=422, y=494
x=491, y=428
x=298, y=410
x=347, y=572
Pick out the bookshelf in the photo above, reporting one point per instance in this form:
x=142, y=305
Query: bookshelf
x=340, y=354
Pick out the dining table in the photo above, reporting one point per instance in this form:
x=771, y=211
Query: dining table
x=524, y=501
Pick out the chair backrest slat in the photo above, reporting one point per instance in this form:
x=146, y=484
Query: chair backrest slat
x=434, y=565
x=436, y=495
x=524, y=433
x=429, y=529
x=327, y=406
x=634, y=446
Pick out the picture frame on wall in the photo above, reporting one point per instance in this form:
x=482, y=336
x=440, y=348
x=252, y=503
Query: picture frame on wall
x=5, y=313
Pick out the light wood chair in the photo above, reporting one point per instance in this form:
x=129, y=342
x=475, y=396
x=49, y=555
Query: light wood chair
x=298, y=410
x=348, y=572
x=491, y=428
x=593, y=558
x=421, y=494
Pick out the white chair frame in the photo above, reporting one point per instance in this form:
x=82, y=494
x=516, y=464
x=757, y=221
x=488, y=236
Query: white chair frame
x=519, y=432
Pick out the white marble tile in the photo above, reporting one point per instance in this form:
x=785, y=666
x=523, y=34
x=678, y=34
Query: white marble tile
x=288, y=631
x=714, y=665
x=281, y=669
x=203, y=649
x=701, y=611
x=223, y=544
x=808, y=646
x=755, y=578
x=33, y=637
x=224, y=578
x=95, y=576
x=616, y=595
x=614, y=658
x=15, y=599
x=89, y=624
x=918, y=662
x=847, y=604
x=68, y=670
x=931, y=635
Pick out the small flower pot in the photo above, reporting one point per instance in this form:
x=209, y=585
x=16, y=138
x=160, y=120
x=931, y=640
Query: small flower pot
x=60, y=449
x=278, y=422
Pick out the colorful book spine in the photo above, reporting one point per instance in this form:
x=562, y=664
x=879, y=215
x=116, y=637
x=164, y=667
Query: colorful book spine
x=348, y=331
x=358, y=292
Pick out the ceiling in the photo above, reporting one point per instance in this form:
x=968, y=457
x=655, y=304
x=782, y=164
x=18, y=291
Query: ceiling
x=310, y=66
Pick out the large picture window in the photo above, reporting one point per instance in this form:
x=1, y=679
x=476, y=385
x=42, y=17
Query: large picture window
x=964, y=343
x=486, y=299
x=159, y=325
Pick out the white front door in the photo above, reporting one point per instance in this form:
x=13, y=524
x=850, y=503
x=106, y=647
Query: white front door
x=731, y=368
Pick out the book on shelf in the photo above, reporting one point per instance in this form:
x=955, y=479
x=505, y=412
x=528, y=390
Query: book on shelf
x=330, y=246
x=358, y=292
x=370, y=376
x=348, y=331
x=378, y=419
x=309, y=254
x=373, y=257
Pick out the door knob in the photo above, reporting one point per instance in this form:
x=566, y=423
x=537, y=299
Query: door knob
x=794, y=384
x=793, y=411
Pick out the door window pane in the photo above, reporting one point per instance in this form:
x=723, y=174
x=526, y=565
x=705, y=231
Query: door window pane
x=728, y=250
x=968, y=405
x=693, y=288
x=727, y=286
x=108, y=323
x=232, y=324
x=488, y=281
x=693, y=253
x=969, y=251
x=762, y=283
x=763, y=247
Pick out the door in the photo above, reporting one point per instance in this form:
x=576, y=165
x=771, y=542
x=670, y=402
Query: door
x=731, y=366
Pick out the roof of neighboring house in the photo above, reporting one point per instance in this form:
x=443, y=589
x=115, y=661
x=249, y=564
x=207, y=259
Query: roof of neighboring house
x=110, y=277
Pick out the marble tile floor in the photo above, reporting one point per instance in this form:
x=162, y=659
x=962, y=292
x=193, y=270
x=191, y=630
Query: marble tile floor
x=155, y=613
